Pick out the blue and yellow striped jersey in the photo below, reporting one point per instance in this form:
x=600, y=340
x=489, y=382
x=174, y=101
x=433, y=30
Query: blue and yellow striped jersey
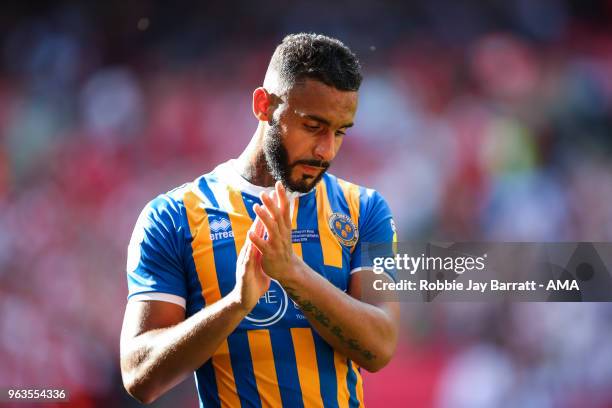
x=184, y=250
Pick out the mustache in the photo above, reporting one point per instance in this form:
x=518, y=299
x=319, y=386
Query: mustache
x=314, y=163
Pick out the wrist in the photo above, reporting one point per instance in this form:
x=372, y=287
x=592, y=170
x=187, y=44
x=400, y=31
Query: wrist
x=238, y=302
x=293, y=276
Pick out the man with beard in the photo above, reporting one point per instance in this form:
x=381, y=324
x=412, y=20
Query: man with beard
x=250, y=275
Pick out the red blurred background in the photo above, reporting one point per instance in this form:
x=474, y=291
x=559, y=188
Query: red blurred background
x=485, y=121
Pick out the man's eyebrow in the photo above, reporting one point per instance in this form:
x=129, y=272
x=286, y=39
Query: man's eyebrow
x=321, y=120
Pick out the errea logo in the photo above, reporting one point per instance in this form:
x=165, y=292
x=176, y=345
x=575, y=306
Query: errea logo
x=219, y=229
x=219, y=225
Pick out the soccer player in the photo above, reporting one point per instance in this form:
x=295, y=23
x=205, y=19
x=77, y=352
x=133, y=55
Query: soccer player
x=250, y=275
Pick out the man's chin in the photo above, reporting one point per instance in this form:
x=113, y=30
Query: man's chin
x=305, y=184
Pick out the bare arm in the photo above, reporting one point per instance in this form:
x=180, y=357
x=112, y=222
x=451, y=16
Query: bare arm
x=366, y=333
x=159, y=347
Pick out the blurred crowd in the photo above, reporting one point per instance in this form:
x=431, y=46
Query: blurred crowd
x=478, y=121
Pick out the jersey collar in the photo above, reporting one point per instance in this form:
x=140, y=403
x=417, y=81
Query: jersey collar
x=229, y=173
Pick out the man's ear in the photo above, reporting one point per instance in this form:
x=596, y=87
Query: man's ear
x=263, y=106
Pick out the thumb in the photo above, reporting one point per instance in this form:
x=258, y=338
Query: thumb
x=245, y=252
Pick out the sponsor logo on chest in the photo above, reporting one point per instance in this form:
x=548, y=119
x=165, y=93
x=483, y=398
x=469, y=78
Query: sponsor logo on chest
x=220, y=228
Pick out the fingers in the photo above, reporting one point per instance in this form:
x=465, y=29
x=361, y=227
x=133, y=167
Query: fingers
x=246, y=255
x=258, y=243
x=283, y=202
x=258, y=227
x=269, y=202
x=277, y=204
x=254, y=252
x=273, y=217
x=267, y=220
x=250, y=252
x=258, y=230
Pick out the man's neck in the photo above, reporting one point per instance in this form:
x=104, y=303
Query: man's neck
x=252, y=164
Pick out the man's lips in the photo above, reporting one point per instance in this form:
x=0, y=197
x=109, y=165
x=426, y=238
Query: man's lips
x=311, y=169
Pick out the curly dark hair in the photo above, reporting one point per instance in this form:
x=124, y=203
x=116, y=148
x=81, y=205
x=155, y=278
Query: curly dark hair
x=316, y=56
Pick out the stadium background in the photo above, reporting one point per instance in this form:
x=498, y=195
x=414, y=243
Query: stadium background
x=477, y=121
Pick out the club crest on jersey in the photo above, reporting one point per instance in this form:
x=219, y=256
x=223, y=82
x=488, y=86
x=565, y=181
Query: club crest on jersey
x=344, y=229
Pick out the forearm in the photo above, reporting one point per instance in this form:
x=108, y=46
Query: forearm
x=363, y=332
x=157, y=360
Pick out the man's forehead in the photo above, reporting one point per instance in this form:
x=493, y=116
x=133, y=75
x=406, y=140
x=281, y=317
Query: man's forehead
x=309, y=88
x=314, y=98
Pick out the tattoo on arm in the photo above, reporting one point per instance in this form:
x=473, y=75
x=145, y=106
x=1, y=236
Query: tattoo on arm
x=308, y=307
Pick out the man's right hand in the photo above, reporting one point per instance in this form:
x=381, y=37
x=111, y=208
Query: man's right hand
x=251, y=281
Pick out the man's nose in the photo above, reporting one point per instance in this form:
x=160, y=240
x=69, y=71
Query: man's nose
x=325, y=149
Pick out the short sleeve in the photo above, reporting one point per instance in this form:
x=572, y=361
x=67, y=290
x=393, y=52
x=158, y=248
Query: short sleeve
x=377, y=232
x=154, y=260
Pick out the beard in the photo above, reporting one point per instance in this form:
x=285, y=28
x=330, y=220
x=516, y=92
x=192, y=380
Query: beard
x=277, y=161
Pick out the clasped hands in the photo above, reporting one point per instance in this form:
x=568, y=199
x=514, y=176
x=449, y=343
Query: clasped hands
x=277, y=257
x=267, y=252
